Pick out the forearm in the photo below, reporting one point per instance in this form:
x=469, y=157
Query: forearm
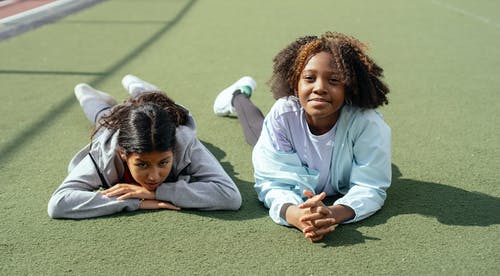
x=342, y=213
x=364, y=201
x=204, y=195
x=203, y=184
x=86, y=204
x=275, y=199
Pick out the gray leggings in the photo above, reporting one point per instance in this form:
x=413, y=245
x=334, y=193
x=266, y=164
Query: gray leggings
x=250, y=117
x=94, y=109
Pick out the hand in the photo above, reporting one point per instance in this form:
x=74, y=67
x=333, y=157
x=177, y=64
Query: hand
x=311, y=232
x=125, y=191
x=320, y=219
x=153, y=204
x=293, y=215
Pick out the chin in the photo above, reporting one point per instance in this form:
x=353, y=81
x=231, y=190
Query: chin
x=149, y=188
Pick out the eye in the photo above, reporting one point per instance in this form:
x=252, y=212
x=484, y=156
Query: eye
x=308, y=78
x=334, y=81
x=141, y=165
x=164, y=163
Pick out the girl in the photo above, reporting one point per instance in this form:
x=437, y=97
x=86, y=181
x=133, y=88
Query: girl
x=145, y=155
x=321, y=138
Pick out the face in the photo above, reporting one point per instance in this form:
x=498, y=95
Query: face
x=150, y=169
x=321, y=93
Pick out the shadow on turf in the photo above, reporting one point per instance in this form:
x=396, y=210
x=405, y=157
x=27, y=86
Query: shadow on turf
x=449, y=205
x=251, y=207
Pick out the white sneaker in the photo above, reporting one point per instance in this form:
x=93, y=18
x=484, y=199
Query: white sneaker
x=223, y=102
x=84, y=92
x=136, y=86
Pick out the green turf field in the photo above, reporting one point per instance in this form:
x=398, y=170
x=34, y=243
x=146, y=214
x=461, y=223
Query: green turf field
x=441, y=60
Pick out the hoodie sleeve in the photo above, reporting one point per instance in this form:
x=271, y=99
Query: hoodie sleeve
x=371, y=166
x=279, y=174
x=203, y=184
x=78, y=196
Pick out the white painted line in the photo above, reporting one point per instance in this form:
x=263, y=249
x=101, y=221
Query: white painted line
x=464, y=12
x=34, y=11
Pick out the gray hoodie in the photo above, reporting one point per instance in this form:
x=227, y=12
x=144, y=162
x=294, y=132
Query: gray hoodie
x=197, y=179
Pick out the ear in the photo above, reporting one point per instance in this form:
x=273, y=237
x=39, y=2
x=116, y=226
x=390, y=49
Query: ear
x=122, y=154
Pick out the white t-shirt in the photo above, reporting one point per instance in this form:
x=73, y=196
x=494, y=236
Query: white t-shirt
x=315, y=151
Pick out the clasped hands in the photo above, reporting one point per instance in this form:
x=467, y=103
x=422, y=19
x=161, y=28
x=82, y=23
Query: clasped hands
x=312, y=217
x=149, y=201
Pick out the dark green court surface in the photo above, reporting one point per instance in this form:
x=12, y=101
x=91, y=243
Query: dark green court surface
x=441, y=60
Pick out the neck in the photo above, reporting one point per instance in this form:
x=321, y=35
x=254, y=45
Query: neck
x=319, y=126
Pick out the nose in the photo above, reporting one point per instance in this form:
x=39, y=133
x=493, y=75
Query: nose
x=319, y=86
x=154, y=175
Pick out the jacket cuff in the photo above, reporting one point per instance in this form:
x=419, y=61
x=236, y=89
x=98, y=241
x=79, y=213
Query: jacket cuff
x=356, y=217
x=283, y=209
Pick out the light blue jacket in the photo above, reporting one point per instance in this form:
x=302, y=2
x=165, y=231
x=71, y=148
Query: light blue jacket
x=360, y=167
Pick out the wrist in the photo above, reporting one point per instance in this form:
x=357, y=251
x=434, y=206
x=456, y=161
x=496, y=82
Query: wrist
x=342, y=213
x=150, y=195
x=292, y=215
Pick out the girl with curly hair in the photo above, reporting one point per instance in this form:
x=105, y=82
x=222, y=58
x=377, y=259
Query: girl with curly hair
x=144, y=154
x=322, y=137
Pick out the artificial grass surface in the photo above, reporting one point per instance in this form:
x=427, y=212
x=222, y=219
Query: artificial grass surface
x=441, y=60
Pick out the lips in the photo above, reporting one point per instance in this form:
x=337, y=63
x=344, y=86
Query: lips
x=152, y=186
x=320, y=100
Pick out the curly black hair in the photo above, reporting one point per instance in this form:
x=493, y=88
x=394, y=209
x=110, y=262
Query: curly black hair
x=359, y=73
x=282, y=64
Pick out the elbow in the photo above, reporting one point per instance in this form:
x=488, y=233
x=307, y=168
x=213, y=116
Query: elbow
x=230, y=198
x=53, y=211
x=54, y=208
x=237, y=202
x=234, y=202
